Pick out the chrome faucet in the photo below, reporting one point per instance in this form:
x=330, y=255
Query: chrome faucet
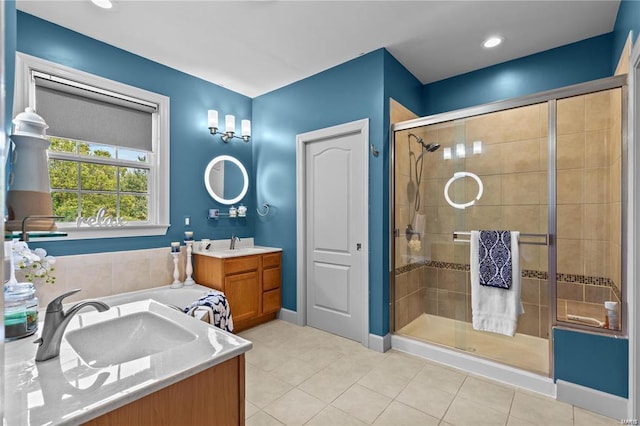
x=232, y=244
x=56, y=321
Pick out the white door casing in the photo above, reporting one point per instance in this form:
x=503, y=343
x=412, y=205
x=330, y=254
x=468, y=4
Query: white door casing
x=332, y=230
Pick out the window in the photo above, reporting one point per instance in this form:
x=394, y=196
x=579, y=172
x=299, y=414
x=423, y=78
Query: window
x=109, y=152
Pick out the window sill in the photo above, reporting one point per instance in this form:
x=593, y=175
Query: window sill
x=74, y=233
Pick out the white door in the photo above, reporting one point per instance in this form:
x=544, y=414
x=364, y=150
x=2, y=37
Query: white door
x=335, y=195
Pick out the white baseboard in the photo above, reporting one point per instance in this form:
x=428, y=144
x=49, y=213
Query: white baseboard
x=475, y=365
x=380, y=343
x=288, y=316
x=593, y=400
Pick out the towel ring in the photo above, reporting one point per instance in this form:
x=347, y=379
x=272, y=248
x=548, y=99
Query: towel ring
x=266, y=207
x=454, y=178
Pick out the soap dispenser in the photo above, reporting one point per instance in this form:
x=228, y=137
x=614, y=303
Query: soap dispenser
x=242, y=211
x=233, y=212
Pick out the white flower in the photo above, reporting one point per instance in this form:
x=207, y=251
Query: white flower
x=35, y=263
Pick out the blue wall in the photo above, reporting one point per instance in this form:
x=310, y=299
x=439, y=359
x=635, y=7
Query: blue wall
x=597, y=362
x=348, y=92
x=192, y=147
x=628, y=19
x=574, y=63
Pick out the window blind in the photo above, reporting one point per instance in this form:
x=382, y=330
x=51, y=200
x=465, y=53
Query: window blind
x=76, y=112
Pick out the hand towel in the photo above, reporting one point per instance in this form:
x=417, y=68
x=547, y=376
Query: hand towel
x=217, y=306
x=495, y=309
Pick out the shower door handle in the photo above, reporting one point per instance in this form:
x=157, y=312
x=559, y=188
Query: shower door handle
x=358, y=246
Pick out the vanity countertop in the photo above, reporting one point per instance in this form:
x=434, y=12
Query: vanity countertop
x=67, y=390
x=220, y=248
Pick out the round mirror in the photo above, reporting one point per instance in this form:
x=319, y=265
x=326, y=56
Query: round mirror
x=226, y=179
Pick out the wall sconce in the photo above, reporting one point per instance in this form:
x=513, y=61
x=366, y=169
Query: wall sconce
x=229, y=127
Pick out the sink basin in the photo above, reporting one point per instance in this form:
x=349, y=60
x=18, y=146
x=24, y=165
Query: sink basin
x=127, y=338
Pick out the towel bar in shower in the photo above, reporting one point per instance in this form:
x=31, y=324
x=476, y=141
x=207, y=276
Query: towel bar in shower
x=458, y=234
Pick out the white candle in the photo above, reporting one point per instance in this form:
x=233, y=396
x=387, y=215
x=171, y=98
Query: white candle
x=188, y=235
x=175, y=247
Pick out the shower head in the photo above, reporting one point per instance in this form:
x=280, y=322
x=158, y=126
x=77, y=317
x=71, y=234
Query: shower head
x=429, y=147
x=432, y=147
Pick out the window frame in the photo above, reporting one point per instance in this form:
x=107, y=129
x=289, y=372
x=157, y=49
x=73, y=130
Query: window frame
x=159, y=181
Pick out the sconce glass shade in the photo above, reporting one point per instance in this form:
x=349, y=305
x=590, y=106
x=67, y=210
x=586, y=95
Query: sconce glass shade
x=212, y=118
x=246, y=128
x=460, y=150
x=229, y=124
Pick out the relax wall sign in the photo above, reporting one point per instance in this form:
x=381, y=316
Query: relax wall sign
x=100, y=220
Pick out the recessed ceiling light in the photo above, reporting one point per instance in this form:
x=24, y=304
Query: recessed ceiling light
x=492, y=42
x=105, y=4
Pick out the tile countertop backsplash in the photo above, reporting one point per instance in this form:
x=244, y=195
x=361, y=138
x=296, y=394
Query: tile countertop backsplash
x=106, y=274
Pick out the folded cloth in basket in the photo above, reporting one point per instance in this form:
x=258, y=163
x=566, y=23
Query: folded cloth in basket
x=217, y=306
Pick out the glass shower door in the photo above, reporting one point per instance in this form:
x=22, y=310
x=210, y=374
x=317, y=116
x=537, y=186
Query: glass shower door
x=489, y=172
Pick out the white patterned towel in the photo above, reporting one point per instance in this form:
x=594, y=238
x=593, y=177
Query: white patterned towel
x=216, y=305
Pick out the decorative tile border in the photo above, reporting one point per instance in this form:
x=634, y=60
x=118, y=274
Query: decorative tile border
x=526, y=273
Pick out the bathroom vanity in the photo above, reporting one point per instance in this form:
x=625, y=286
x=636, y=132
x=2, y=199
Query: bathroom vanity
x=250, y=277
x=139, y=363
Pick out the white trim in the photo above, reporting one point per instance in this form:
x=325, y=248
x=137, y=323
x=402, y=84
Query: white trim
x=472, y=364
x=159, y=187
x=633, y=230
x=593, y=400
x=287, y=315
x=359, y=126
x=380, y=343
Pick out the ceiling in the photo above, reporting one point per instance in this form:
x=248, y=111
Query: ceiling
x=259, y=46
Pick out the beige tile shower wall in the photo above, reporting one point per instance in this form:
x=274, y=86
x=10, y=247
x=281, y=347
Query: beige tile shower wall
x=512, y=167
x=409, y=297
x=584, y=184
x=104, y=274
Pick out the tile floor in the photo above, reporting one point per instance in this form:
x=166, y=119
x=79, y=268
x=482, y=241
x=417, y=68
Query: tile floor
x=303, y=376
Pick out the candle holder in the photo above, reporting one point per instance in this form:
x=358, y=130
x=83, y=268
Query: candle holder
x=189, y=268
x=176, y=271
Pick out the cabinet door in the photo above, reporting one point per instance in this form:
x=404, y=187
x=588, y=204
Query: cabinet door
x=243, y=292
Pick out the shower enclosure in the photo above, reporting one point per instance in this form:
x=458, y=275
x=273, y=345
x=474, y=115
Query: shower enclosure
x=548, y=165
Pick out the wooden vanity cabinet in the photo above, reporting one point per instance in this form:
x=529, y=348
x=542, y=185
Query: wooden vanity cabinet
x=214, y=397
x=252, y=285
